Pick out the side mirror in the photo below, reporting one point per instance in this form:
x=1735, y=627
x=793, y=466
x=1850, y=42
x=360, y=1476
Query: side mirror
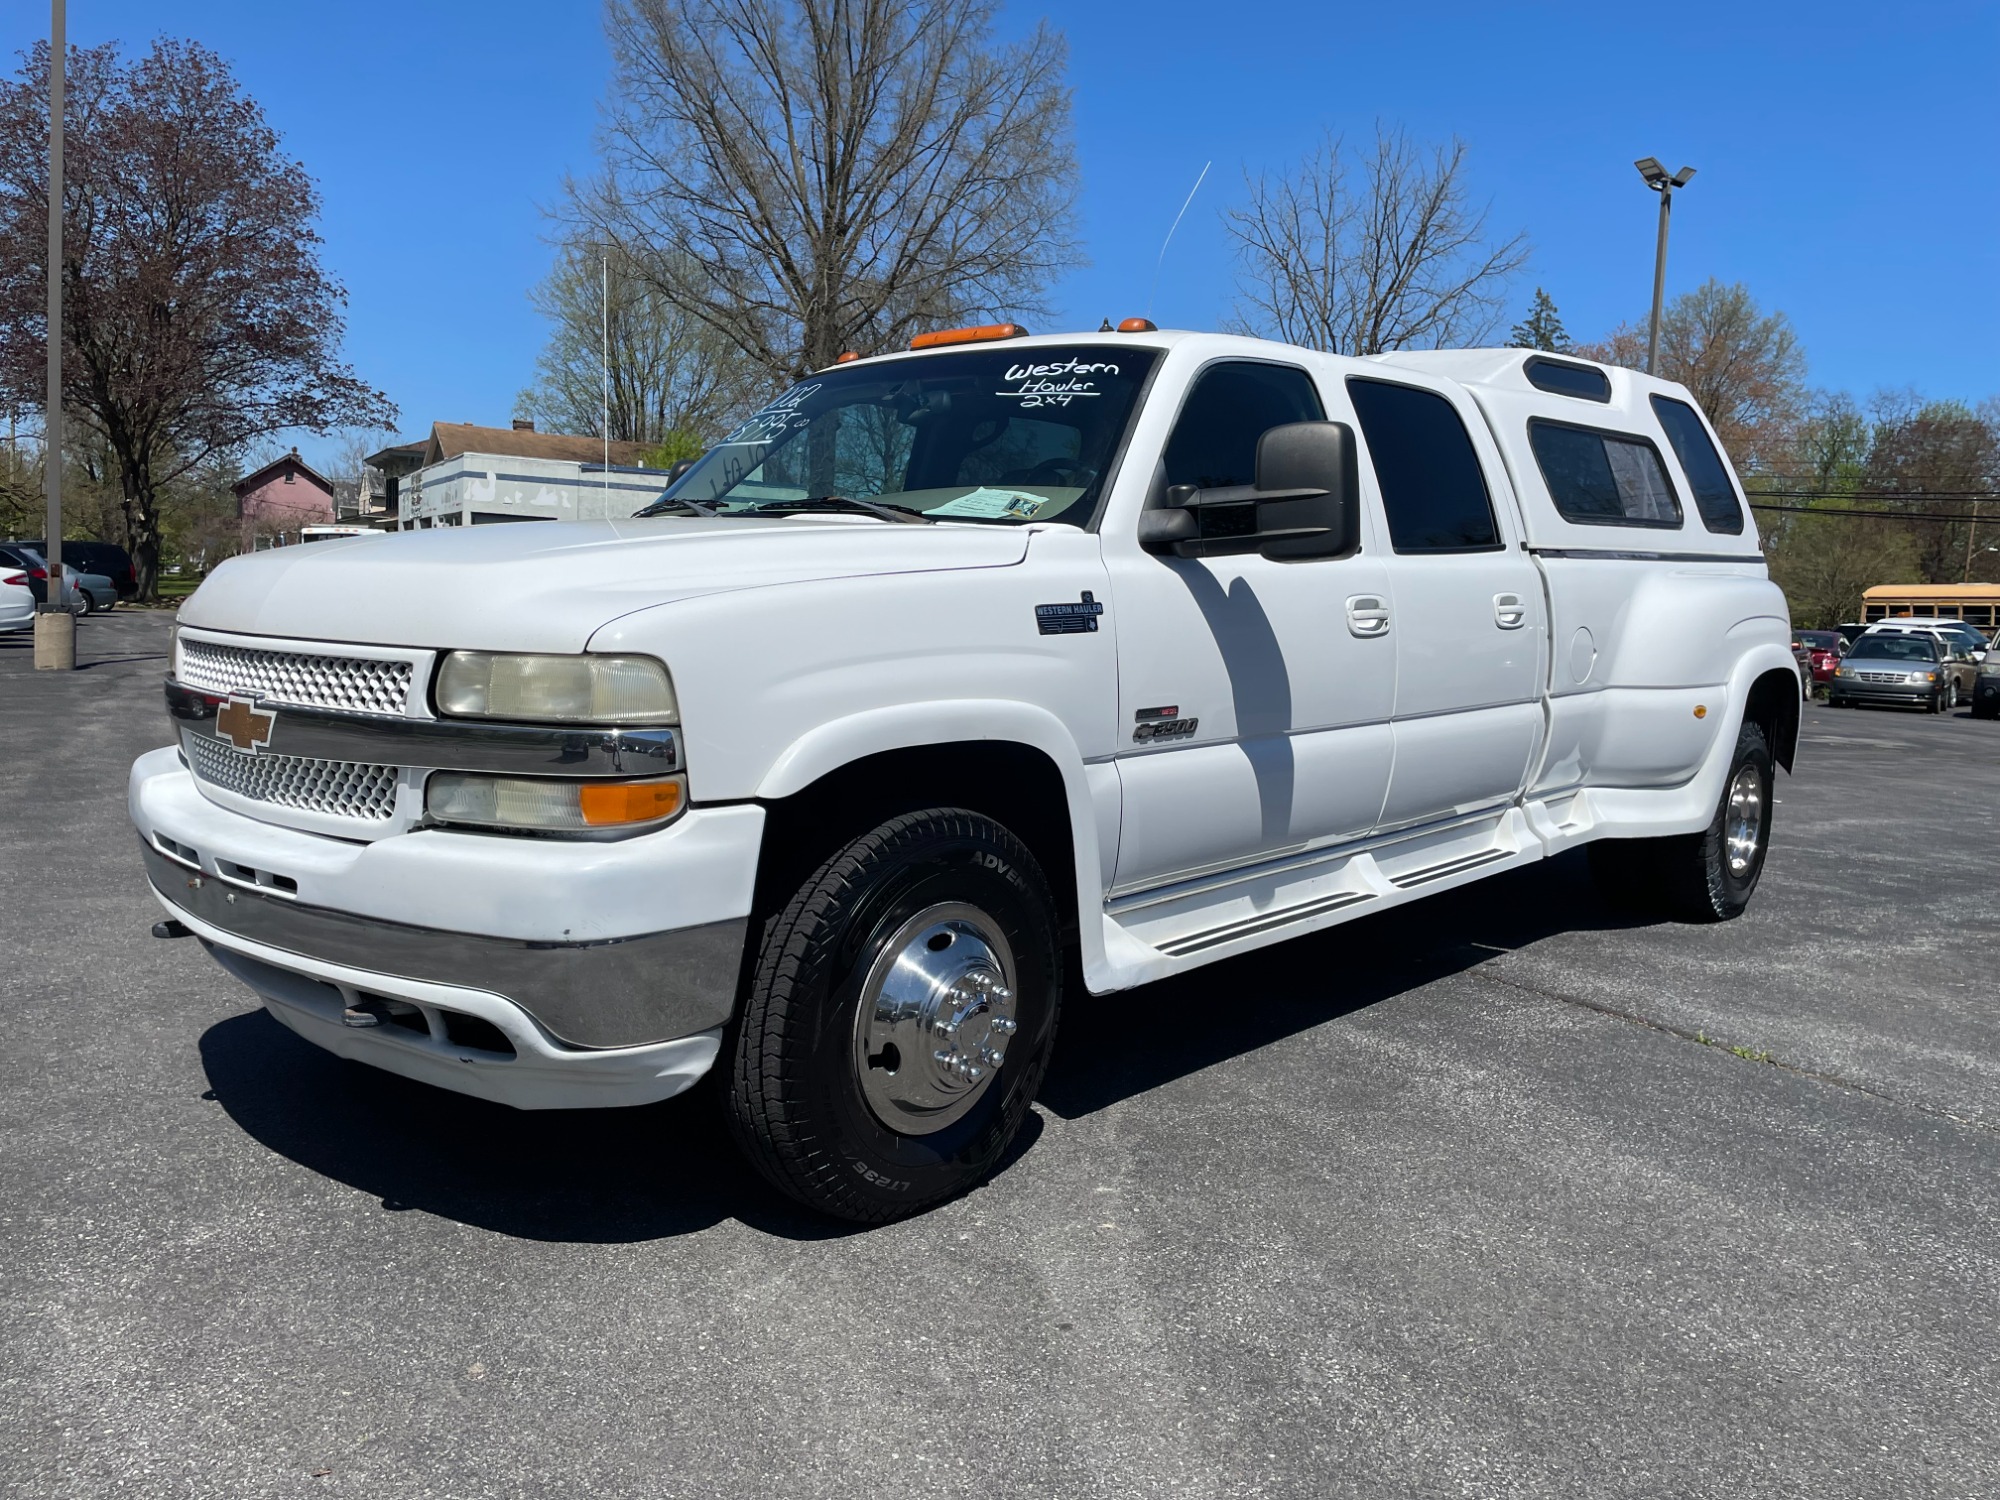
x=1306, y=502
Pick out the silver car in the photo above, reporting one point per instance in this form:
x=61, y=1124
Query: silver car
x=1911, y=668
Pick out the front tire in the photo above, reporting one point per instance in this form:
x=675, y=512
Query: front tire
x=900, y=1018
x=1707, y=876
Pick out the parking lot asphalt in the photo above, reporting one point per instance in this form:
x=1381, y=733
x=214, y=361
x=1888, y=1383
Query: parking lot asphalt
x=1502, y=1194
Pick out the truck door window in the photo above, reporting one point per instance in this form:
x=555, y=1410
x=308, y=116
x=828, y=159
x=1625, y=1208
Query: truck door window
x=1432, y=486
x=1232, y=405
x=1714, y=496
x=1603, y=478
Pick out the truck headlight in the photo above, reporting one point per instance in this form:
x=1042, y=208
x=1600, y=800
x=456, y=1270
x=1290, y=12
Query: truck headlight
x=547, y=805
x=560, y=689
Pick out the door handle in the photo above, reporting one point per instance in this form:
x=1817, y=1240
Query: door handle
x=1368, y=615
x=1508, y=611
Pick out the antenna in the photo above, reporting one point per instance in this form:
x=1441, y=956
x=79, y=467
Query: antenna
x=1162, y=260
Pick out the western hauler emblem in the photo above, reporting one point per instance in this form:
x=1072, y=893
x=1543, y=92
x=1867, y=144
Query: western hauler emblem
x=244, y=725
x=1068, y=619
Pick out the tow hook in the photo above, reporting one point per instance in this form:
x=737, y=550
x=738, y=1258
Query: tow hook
x=171, y=929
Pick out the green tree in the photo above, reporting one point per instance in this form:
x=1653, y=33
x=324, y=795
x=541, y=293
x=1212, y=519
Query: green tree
x=1542, y=328
x=1743, y=366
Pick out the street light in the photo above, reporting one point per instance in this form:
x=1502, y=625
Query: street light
x=1660, y=182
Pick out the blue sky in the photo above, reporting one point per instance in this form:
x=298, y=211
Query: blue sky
x=1842, y=152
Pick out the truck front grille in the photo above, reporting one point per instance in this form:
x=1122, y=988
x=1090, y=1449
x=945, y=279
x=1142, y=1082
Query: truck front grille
x=332, y=788
x=354, y=684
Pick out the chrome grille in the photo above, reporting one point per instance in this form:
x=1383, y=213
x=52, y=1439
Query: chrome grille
x=333, y=788
x=1883, y=676
x=354, y=683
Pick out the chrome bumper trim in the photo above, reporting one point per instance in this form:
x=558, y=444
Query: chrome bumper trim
x=441, y=744
x=622, y=992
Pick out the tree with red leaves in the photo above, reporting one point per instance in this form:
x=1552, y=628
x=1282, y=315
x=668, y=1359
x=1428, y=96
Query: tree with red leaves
x=196, y=315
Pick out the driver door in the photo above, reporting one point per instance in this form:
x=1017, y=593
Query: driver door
x=1254, y=696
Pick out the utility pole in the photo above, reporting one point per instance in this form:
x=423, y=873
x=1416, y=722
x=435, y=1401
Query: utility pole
x=604, y=356
x=1658, y=180
x=55, y=626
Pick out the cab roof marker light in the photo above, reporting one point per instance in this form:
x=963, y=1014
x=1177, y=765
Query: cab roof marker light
x=1137, y=325
x=985, y=333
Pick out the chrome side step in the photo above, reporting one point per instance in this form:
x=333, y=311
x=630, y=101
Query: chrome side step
x=1450, y=867
x=1194, y=942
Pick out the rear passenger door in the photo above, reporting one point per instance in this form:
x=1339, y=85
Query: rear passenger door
x=1465, y=599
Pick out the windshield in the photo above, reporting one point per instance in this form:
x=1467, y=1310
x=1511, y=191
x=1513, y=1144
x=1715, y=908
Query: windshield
x=996, y=436
x=1894, y=648
x=1821, y=640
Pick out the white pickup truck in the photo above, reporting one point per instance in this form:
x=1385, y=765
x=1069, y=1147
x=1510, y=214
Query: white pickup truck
x=954, y=684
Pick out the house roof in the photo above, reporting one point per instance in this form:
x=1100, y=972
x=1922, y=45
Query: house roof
x=449, y=439
x=412, y=453
x=250, y=481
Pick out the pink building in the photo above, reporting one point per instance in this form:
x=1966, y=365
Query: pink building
x=281, y=497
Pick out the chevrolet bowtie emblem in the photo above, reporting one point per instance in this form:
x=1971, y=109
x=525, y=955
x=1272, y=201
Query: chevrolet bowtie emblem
x=244, y=725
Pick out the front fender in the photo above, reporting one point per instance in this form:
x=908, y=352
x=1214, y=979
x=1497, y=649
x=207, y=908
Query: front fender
x=1090, y=792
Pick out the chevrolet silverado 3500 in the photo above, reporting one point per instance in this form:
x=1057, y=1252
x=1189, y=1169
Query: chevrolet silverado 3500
x=952, y=685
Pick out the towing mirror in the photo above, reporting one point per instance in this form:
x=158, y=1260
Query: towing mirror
x=1306, y=502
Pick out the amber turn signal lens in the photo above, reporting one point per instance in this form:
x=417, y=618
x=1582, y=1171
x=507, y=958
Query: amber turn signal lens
x=982, y=334
x=611, y=804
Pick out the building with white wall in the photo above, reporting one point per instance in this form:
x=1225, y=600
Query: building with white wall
x=473, y=476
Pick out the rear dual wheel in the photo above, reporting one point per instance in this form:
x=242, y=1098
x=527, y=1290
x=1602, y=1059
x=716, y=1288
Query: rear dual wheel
x=899, y=1019
x=1700, y=877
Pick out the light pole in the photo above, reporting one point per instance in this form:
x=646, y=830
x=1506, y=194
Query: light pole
x=1658, y=180
x=55, y=627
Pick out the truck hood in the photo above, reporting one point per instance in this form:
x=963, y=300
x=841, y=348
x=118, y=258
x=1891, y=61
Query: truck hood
x=547, y=585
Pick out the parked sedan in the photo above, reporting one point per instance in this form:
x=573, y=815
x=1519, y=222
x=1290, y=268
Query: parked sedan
x=17, y=600
x=1986, y=688
x=1898, y=667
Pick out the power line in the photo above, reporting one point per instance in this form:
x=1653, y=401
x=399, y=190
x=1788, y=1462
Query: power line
x=1964, y=497
x=1886, y=515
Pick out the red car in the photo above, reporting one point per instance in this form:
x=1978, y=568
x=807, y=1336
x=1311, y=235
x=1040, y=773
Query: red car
x=1819, y=651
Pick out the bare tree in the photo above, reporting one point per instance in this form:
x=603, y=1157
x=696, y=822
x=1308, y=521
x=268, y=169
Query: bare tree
x=811, y=176
x=1743, y=366
x=673, y=378
x=197, y=316
x=1404, y=261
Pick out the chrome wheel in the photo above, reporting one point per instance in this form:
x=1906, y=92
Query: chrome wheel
x=935, y=1013
x=1743, y=821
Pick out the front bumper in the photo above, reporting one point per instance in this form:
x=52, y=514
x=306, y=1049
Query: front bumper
x=588, y=945
x=512, y=1062
x=1848, y=690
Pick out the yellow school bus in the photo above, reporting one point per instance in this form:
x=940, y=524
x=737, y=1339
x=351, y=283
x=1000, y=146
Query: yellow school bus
x=1975, y=603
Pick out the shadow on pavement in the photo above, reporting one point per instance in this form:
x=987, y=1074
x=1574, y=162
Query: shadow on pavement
x=1104, y=1054
x=604, y=1176
x=624, y=1175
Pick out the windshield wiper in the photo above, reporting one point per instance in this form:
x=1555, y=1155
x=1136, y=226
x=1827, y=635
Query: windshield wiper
x=904, y=514
x=692, y=507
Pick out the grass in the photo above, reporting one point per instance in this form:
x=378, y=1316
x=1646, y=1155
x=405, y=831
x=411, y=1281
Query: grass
x=1748, y=1054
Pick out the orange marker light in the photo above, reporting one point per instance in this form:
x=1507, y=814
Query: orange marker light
x=1137, y=325
x=611, y=804
x=983, y=334
x=848, y=358
x=1701, y=710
